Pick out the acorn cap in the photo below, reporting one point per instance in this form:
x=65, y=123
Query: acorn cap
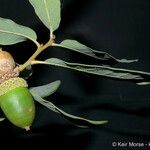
x=11, y=84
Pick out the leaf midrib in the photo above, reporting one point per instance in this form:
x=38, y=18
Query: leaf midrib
x=48, y=16
x=9, y=32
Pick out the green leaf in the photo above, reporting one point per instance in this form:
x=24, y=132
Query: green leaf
x=12, y=33
x=143, y=83
x=48, y=11
x=78, y=47
x=100, y=70
x=46, y=90
x=42, y=101
x=141, y=78
x=1, y=119
x=79, y=121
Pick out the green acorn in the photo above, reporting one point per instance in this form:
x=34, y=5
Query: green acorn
x=17, y=102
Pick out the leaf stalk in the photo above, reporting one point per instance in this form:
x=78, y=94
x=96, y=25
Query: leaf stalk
x=40, y=49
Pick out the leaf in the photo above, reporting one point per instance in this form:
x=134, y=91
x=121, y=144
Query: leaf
x=78, y=47
x=143, y=83
x=48, y=11
x=1, y=119
x=46, y=90
x=42, y=101
x=12, y=33
x=79, y=121
x=104, y=71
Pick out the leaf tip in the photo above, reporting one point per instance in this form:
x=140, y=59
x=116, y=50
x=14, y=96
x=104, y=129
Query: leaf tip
x=103, y=122
x=1, y=119
x=58, y=82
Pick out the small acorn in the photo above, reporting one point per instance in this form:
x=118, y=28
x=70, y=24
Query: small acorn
x=8, y=67
x=6, y=61
x=15, y=99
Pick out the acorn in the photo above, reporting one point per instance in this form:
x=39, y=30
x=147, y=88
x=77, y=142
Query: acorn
x=7, y=62
x=15, y=99
x=8, y=67
x=17, y=102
